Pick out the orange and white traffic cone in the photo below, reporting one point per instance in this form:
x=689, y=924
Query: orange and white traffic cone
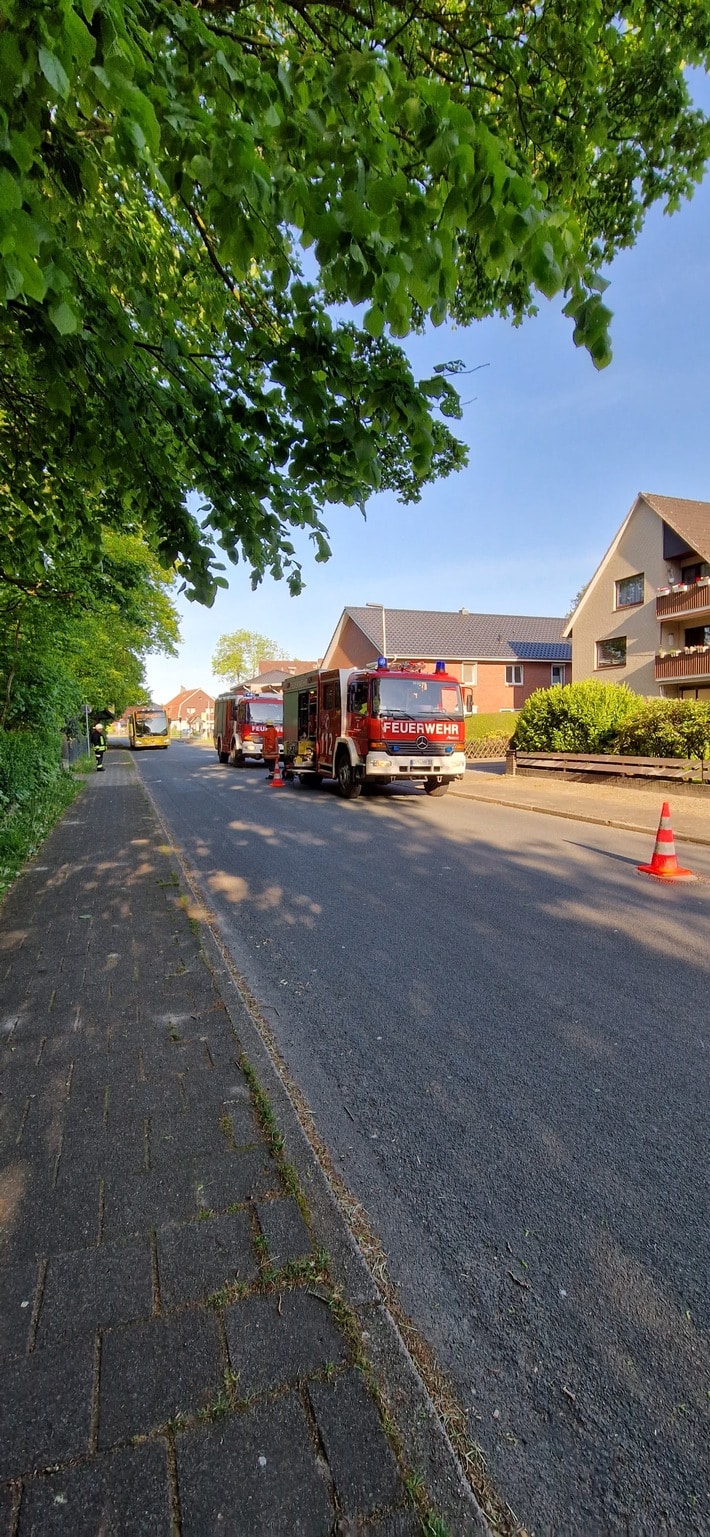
x=664, y=864
x=276, y=781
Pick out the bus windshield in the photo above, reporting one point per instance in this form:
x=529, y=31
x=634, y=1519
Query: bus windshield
x=416, y=697
x=261, y=710
x=151, y=723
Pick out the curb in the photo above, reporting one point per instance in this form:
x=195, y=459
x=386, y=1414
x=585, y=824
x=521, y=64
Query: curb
x=575, y=816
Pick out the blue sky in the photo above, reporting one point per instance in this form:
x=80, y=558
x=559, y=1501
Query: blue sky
x=557, y=453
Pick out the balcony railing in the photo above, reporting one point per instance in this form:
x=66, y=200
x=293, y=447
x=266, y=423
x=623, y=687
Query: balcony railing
x=692, y=662
x=690, y=598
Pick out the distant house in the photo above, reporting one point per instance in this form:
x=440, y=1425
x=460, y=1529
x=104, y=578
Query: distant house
x=500, y=659
x=270, y=677
x=191, y=712
x=644, y=618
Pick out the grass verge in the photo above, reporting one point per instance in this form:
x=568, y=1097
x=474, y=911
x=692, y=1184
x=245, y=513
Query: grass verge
x=480, y=726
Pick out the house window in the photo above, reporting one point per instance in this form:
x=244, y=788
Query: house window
x=696, y=572
x=514, y=674
x=557, y=673
x=612, y=653
x=629, y=591
x=469, y=672
x=699, y=635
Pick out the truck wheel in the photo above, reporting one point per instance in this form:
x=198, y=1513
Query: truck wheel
x=349, y=786
x=223, y=756
x=437, y=785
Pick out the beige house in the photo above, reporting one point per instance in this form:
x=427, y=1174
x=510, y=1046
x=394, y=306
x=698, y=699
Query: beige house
x=644, y=618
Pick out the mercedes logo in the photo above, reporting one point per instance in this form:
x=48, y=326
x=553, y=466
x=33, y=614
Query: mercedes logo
x=422, y=743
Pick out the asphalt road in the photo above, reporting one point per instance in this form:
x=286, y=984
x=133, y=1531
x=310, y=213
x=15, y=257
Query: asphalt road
x=503, y=1033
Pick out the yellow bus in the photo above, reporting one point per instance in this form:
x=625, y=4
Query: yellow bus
x=148, y=727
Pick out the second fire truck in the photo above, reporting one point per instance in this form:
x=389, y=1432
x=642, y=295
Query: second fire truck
x=240, y=721
x=374, y=726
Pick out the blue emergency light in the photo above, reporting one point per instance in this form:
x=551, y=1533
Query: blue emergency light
x=381, y=663
x=440, y=667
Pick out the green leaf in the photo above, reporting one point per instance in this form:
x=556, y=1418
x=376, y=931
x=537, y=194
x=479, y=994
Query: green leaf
x=64, y=318
x=10, y=192
x=53, y=71
x=381, y=195
x=34, y=282
x=545, y=270
x=11, y=277
x=22, y=147
x=82, y=43
x=141, y=111
x=374, y=321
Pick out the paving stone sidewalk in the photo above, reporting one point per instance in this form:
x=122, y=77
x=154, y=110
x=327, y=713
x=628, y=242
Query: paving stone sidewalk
x=635, y=806
x=177, y=1353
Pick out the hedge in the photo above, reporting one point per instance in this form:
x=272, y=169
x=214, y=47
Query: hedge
x=667, y=728
x=34, y=791
x=577, y=717
x=593, y=717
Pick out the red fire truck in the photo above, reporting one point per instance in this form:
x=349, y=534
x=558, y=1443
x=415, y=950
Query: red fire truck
x=375, y=725
x=240, y=721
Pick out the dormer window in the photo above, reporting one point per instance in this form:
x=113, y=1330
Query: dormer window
x=695, y=572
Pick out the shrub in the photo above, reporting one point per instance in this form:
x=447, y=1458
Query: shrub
x=667, y=728
x=28, y=760
x=578, y=717
x=34, y=790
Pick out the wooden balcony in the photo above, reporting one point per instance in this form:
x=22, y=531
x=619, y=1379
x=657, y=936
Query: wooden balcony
x=693, y=662
x=693, y=599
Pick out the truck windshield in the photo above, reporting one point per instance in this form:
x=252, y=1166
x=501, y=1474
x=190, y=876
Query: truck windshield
x=261, y=710
x=415, y=698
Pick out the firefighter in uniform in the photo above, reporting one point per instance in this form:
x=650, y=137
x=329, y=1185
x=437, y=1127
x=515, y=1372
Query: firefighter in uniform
x=271, y=748
x=98, y=742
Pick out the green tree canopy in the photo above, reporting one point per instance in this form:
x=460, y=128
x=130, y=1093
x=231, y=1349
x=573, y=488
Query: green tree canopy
x=83, y=634
x=238, y=655
x=165, y=163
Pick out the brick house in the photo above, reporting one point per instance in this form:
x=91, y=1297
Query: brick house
x=191, y=712
x=500, y=659
x=644, y=618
